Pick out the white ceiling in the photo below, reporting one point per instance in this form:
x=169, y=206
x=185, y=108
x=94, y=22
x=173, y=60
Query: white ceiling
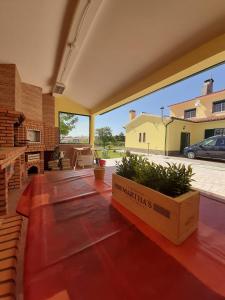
x=118, y=42
x=31, y=33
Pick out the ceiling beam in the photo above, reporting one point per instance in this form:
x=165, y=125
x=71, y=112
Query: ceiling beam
x=82, y=21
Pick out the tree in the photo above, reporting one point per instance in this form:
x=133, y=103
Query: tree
x=104, y=135
x=120, y=137
x=67, y=123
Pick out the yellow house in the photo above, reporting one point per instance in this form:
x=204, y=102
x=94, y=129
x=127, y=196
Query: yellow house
x=190, y=122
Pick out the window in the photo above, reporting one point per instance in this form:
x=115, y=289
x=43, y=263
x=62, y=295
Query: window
x=190, y=113
x=144, y=137
x=214, y=131
x=221, y=142
x=74, y=128
x=209, y=142
x=218, y=106
x=219, y=131
x=139, y=137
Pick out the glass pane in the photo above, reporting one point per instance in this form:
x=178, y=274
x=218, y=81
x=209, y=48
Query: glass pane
x=219, y=131
x=144, y=134
x=223, y=106
x=190, y=113
x=209, y=142
x=74, y=129
x=220, y=142
x=219, y=106
x=139, y=137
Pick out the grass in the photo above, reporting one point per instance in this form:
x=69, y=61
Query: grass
x=105, y=154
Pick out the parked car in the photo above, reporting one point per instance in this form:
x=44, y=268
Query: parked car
x=213, y=147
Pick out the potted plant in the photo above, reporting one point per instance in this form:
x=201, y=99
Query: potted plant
x=102, y=162
x=99, y=172
x=97, y=159
x=159, y=195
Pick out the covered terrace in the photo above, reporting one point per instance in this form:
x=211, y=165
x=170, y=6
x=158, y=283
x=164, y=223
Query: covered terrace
x=89, y=57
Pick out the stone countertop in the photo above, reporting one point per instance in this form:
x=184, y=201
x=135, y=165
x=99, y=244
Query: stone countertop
x=9, y=154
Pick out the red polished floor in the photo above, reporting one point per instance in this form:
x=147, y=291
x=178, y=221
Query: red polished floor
x=80, y=247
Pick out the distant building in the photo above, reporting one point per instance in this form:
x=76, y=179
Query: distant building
x=69, y=140
x=189, y=122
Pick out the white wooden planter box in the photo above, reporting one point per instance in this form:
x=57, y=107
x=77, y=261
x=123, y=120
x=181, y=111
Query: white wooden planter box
x=175, y=218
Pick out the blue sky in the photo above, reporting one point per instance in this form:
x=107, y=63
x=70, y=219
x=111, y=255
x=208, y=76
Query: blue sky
x=184, y=90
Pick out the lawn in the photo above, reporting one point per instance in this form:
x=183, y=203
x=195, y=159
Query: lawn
x=105, y=154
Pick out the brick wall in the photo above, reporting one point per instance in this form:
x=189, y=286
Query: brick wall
x=18, y=92
x=15, y=95
x=39, y=111
x=24, y=97
x=32, y=101
x=15, y=182
x=50, y=137
x=48, y=109
x=50, y=131
x=23, y=169
x=3, y=192
x=20, y=136
x=7, y=86
x=7, y=121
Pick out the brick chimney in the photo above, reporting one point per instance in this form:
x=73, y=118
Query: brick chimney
x=207, y=87
x=132, y=114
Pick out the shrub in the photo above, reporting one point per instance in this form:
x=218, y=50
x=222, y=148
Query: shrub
x=129, y=164
x=128, y=153
x=172, y=180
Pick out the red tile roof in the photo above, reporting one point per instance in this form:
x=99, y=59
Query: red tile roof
x=201, y=120
x=196, y=98
x=213, y=118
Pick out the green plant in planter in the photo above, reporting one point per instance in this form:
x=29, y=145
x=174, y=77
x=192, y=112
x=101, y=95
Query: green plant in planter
x=172, y=180
x=129, y=164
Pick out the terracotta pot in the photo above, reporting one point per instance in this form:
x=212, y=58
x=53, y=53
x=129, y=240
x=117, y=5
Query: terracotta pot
x=99, y=173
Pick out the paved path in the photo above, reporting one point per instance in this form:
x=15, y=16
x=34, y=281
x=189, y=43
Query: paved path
x=209, y=175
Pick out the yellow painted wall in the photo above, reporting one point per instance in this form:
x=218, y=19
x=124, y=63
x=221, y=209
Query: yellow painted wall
x=174, y=133
x=198, y=133
x=64, y=104
x=154, y=129
x=155, y=133
x=204, y=109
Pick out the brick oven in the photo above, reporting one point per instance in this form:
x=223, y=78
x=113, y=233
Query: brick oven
x=12, y=159
x=38, y=132
x=27, y=130
x=31, y=135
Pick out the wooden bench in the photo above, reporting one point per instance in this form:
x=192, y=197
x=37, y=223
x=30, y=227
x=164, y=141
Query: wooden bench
x=10, y=229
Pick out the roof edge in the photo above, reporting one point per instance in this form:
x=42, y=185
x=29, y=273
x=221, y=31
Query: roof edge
x=196, y=98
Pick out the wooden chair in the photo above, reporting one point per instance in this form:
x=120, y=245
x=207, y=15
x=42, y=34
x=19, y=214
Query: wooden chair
x=83, y=156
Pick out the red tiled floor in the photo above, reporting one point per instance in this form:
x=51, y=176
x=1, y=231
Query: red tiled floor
x=78, y=247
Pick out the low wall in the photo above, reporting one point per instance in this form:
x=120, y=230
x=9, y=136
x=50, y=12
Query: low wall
x=152, y=151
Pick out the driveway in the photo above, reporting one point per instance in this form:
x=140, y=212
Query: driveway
x=209, y=175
